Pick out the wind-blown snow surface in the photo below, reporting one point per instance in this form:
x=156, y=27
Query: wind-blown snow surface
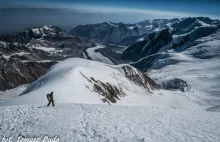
x=100, y=123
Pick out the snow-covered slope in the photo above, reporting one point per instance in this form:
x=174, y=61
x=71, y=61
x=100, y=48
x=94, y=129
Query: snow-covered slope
x=100, y=123
x=78, y=80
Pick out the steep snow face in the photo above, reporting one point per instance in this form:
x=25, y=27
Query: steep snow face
x=82, y=81
x=101, y=123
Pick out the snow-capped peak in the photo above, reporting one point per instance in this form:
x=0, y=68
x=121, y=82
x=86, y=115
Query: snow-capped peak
x=48, y=30
x=111, y=24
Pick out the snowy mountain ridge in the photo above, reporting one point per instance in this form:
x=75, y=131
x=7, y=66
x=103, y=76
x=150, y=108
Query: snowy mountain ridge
x=82, y=81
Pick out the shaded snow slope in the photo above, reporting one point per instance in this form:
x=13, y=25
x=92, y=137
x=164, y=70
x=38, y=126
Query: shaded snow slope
x=95, y=123
x=12, y=93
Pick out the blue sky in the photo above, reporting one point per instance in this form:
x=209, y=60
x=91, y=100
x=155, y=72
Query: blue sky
x=81, y=12
x=194, y=7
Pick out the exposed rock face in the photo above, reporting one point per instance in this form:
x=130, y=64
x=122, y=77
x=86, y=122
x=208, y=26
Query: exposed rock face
x=139, y=78
x=27, y=56
x=112, y=93
x=14, y=73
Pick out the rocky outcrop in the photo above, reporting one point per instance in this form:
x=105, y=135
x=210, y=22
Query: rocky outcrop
x=112, y=93
x=176, y=84
x=139, y=78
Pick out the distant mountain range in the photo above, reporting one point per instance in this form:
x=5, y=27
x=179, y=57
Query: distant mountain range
x=120, y=32
x=183, y=56
x=178, y=37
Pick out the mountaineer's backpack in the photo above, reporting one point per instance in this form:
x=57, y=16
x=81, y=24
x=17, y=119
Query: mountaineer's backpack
x=48, y=97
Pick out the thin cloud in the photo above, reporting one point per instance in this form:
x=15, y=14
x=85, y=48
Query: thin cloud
x=146, y=12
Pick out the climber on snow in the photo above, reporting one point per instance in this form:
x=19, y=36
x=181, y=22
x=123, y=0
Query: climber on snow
x=50, y=99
